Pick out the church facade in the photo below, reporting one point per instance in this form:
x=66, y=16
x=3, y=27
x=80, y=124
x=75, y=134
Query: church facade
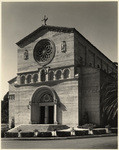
x=59, y=77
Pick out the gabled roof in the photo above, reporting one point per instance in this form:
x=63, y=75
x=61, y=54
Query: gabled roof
x=45, y=28
x=41, y=31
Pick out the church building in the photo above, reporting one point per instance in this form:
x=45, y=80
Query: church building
x=59, y=78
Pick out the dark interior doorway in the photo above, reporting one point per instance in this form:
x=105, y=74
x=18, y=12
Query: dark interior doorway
x=51, y=114
x=42, y=114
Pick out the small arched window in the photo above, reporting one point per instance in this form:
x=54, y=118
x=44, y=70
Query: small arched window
x=51, y=75
x=22, y=79
x=35, y=78
x=58, y=75
x=43, y=76
x=66, y=74
x=29, y=79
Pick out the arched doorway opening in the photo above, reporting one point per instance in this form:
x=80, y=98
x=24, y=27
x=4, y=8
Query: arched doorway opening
x=44, y=106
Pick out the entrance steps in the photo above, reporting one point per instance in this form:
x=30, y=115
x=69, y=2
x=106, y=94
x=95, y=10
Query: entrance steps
x=39, y=127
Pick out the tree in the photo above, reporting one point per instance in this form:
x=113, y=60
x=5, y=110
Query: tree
x=109, y=103
x=5, y=109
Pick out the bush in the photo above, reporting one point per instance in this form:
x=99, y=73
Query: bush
x=44, y=134
x=97, y=132
x=78, y=133
x=11, y=134
x=27, y=134
x=63, y=133
x=88, y=126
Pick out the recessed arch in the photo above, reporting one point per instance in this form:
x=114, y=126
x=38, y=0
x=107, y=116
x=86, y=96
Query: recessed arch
x=51, y=75
x=28, y=78
x=43, y=75
x=58, y=74
x=35, y=78
x=44, y=106
x=66, y=73
x=22, y=79
x=43, y=89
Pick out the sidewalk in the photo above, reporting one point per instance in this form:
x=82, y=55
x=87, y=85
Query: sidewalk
x=61, y=138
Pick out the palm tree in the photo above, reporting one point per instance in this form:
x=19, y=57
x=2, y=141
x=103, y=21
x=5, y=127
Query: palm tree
x=109, y=104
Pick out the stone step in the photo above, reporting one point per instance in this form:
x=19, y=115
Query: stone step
x=39, y=127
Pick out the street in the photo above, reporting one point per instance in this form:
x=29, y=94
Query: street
x=85, y=143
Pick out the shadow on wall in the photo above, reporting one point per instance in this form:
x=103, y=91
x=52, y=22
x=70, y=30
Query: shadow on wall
x=60, y=108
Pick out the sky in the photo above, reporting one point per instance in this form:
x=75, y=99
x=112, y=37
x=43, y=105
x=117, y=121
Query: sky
x=96, y=21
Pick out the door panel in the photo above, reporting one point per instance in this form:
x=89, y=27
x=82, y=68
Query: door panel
x=51, y=114
x=42, y=115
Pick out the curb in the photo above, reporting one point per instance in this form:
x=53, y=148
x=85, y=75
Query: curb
x=60, y=138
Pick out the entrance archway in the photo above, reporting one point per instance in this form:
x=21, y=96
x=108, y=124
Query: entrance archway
x=44, y=106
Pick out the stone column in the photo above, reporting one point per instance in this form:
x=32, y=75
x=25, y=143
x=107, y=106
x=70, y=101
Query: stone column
x=62, y=75
x=55, y=113
x=46, y=76
x=39, y=76
x=25, y=79
x=46, y=114
x=32, y=79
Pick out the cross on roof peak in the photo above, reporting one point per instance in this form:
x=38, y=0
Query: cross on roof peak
x=45, y=19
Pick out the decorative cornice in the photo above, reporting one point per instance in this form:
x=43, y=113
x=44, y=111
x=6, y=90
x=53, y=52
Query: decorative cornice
x=48, y=83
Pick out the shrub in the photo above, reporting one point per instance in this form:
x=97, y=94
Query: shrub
x=11, y=134
x=97, y=132
x=27, y=134
x=44, y=134
x=63, y=133
x=88, y=126
x=78, y=133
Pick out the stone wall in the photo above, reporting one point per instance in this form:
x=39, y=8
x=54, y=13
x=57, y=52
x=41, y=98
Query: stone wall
x=90, y=93
x=87, y=54
x=60, y=59
x=67, y=92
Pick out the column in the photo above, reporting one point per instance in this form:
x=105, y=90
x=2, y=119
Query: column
x=55, y=113
x=62, y=75
x=25, y=80
x=47, y=71
x=39, y=76
x=46, y=76
x=32, y=79
x=46, y=114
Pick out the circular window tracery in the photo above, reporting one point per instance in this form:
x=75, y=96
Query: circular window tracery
x=44, y=51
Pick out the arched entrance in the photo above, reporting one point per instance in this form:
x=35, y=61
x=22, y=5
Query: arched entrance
x=44, y=106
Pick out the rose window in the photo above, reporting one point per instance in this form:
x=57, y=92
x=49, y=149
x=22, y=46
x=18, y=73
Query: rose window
x=44, y=51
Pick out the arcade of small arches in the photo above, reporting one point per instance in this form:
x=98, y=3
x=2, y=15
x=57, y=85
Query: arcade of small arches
x=43, y=76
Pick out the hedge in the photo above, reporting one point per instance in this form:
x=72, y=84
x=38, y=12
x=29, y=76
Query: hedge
x=11, y=134
x=96, y=132
x=27, y=134
x=78, y=133
x=63, y=133
x=44, y=134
